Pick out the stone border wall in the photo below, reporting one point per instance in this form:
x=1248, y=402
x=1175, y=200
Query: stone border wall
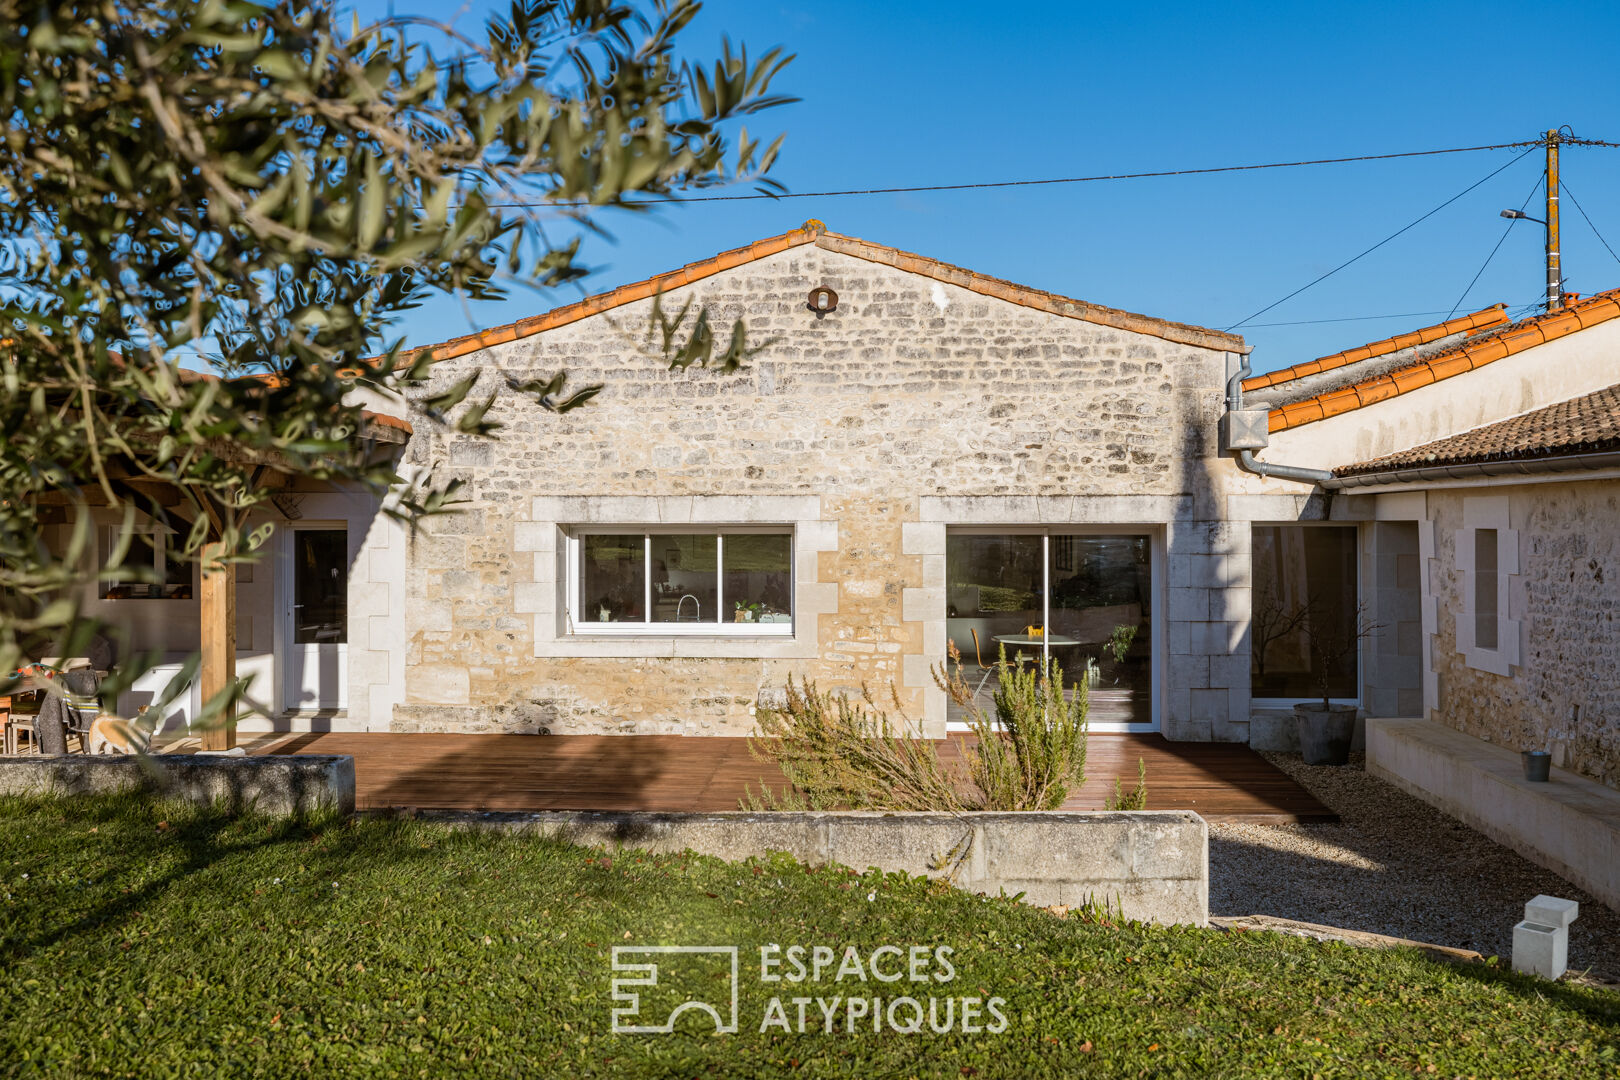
x=1154, y=864
x=1571, y=825
x=269, y=784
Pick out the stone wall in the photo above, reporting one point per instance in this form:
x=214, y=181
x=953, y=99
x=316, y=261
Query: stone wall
x=279, y=785
x=1152, y=865
x=911, y=390
x=1562, y=694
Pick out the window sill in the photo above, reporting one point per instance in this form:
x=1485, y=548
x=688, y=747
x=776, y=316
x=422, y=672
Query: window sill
x=768, y=632
x=651, y=645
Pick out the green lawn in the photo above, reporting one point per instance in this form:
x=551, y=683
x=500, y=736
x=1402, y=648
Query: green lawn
x=142, y=941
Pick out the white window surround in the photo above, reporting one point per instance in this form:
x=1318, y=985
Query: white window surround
x=545, y=595
x=1101, y=513
x=577, y=623
x=1488, y=512
x=1156, y=544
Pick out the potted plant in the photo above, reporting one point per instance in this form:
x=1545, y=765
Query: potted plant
x=747, y=612
x=1326, y=727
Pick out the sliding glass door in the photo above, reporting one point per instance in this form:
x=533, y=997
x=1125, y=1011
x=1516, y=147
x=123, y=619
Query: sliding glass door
x=1084, y=601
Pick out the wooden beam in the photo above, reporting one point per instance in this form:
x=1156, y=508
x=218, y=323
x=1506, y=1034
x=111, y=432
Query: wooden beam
x=217, y=628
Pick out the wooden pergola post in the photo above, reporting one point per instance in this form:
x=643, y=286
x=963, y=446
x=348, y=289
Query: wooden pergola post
x=217, y=631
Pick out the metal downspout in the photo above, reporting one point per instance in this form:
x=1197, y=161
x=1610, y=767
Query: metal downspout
x=1246, y=459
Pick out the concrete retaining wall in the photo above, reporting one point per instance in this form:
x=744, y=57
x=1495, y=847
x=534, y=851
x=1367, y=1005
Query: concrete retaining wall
x=1571, y=825
x=1154, y=864
x=271, y=785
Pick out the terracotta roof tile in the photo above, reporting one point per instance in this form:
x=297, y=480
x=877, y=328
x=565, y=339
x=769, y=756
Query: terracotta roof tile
x=815, y=233
x=1463, y=324
x=1458, y=360
x=398, y=423
x=1587, y=424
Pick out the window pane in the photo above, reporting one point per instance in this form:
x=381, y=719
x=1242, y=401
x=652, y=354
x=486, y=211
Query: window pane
x=320, y=587
x=176, y=572
x=685, y=579
x=615, y=578
x=759, y=577
x=993, y=589
x=1485, y=588
x=1100, y=616
x=1304, y=585
x=142, y=558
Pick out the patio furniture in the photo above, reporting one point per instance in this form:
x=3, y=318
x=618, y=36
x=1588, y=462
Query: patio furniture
x=18, y=726
x=68, y=708
x=978, y=654
x=50, y=725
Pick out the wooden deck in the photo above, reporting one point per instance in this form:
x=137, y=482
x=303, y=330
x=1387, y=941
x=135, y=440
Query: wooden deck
x=677, y=773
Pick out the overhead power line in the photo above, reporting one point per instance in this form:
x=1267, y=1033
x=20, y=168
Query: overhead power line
x=1594, y=228
x=778, y=196
x=1411, y=225
x=1499, y=241
x=1348, y=318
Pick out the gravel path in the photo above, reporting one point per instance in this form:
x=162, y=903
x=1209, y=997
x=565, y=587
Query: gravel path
x=1394, y=865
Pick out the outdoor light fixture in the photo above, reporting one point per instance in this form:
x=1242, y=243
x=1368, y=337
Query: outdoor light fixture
x=1514, y=215
x=822, y=300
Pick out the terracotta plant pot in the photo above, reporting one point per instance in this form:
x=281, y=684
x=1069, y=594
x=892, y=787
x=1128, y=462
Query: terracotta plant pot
x=1325, y=734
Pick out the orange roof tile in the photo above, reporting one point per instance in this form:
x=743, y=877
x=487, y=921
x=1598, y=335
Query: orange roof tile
x=1479, y=320
x=1507, y=341
x=398, y=423
x=813, y=232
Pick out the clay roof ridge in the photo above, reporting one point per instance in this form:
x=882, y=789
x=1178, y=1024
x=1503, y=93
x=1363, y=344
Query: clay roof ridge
x=1475, y=352
x=815, y=232
x=1495, y=315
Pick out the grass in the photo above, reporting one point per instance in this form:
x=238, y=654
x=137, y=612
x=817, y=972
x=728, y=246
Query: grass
x=142, y=940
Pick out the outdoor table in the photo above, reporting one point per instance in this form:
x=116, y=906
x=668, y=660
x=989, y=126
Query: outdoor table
x=1032, y=639
x=1028, y=639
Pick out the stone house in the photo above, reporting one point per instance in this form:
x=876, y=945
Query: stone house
x=919, y=457
x=1521, y=537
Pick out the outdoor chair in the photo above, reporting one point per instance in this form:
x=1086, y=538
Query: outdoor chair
x=19, y=727
x=81, y=703
x=68, y=706
x=1017, y=660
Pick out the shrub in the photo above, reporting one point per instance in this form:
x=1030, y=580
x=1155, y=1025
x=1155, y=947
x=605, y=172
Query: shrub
x=839, y=754
x=1033, y=750
x=1137, y=799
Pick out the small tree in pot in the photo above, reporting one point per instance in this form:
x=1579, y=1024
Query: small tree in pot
x=1326, y=728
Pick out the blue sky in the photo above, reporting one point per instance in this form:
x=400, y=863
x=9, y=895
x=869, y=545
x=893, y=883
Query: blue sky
x=903, y=94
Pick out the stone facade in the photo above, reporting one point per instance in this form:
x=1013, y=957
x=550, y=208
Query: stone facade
x=1563, y=593
x=914, y=406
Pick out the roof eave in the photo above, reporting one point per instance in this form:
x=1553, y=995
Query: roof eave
x=1504, y=467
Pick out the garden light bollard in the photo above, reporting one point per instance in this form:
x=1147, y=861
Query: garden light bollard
x=1541, y=941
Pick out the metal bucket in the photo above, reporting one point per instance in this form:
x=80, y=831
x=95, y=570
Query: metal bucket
x=1537, y=766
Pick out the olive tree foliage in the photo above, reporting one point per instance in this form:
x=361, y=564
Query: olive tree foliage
x=259, y=190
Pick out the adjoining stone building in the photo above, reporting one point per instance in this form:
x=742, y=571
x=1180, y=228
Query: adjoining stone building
x=919, y=456
x=1520, y=539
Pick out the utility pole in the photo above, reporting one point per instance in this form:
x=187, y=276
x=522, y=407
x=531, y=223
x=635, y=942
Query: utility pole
x=1555, y=280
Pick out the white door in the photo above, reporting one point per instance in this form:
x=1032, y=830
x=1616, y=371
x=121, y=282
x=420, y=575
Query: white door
x=317, y=657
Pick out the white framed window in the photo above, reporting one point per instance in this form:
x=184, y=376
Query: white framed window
x=1487, y=556
x=151, y=570
x=730, y=581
